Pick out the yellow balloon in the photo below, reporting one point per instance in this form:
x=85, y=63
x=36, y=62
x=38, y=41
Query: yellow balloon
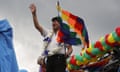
x=89, y=49
x=69, y=67
x=83, y=51
x=94, y=59
x=110, y=38
x=90, y=45
x=101, y=39
x=79, y=63
x=85, y=61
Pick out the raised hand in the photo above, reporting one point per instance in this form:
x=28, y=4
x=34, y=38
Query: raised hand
x=33, y=8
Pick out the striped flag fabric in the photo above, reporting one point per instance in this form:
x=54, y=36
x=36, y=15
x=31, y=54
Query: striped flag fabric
x=72, y=29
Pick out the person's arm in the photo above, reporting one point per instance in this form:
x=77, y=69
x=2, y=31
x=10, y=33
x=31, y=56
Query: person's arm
x=69, y=50
x=35, y=20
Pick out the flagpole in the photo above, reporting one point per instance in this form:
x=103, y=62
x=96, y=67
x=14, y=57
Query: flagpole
x=58, y=7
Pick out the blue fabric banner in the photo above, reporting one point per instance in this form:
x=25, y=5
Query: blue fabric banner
x=8, y=61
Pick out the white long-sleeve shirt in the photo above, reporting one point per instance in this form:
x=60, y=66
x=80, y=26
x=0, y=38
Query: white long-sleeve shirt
x=53, y=46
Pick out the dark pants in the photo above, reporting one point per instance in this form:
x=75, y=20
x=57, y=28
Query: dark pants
x=56, y=63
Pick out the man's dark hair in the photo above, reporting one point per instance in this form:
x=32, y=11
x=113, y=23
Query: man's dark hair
x=57, y=18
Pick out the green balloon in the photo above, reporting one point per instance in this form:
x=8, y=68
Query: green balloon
x=87, y=56
x=96, y=51
x=74, y=67
x=79, y=58
x=115, y=36
x=107, y=47
x=71, y=66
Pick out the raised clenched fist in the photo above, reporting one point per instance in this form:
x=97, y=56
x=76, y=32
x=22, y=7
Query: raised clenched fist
x=33, y=8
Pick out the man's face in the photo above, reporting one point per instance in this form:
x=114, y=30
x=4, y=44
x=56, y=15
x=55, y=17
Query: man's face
x=55, y=25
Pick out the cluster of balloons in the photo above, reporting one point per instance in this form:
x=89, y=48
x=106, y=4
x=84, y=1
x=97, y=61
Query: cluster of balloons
x=96, y=50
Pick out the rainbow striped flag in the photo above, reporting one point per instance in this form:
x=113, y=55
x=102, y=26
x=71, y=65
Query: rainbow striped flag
x=72, y=29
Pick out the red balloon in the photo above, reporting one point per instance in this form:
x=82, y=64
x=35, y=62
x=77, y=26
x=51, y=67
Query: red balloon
x=90, y=54
x=73, y=61
x=118, y=31
x=107, y=42
x=99, y=45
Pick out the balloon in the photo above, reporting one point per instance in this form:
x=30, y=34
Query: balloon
x=85, y=61
x=69, y=67
x=105, y=46
x=110, y=39
x=101, y=39
x=95, y=51
x=106, y=40
x=79, y=63
x=99, y=45
x=76, y=67
x=89, y=49
x=94, y=59
x=117, y=30
x=73, y=61
x=86, y=56
x=82, y=52
x=115, y=36
x=90, y=53
x=79, y=58
x=92, y=45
